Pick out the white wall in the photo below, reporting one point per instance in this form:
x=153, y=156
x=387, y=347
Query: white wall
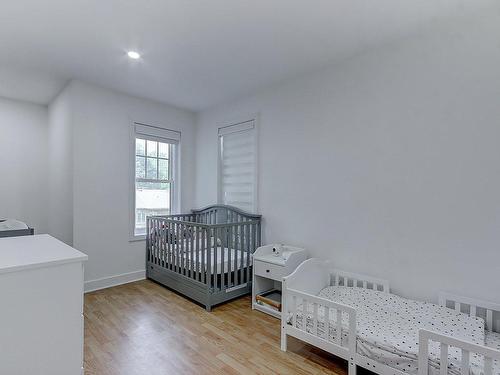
x=23, y=163
x=101, y=122
x=388, y=163
x=60, y=171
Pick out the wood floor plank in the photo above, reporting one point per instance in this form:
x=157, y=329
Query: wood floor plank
x=144, y=328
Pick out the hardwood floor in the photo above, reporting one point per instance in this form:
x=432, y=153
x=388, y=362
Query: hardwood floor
x=143, y=328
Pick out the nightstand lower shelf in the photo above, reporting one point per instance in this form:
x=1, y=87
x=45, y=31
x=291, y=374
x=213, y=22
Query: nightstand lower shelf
x=267, y=310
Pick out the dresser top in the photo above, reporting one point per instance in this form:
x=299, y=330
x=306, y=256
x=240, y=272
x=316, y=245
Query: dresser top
x=18, y=253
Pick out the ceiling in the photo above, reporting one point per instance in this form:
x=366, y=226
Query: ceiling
x=195, y=53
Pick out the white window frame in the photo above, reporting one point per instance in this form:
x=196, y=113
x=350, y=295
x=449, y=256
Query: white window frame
x=235, y=124
x=159, y=134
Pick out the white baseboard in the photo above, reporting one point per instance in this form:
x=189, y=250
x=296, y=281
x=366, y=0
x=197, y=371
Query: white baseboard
x=107, y=282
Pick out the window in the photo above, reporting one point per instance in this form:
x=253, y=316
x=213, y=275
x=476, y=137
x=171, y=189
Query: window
x=154, y=159
x=238, y=165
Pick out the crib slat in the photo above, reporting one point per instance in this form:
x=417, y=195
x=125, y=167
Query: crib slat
x=166, y=236
x=178, y=246
x=171, y=232
x=464, y=369
x=236, y=248
x=204, y=255
x=215, y=255
x=197, y=235
x=210, y=256
x=489, y=320
x=229, y=255
x=365, y=284
x=355, y=283
x=177, y=249
x=443, y=360
x=223, y=259
x=243, y=241
x=230, y=245
x=346, y=281
x=184, y=252
x=191, y=249
x=158, y=244
x=336, y=279
x=338, y=336
x=240, y=248
x=163, y=244
x=247, y=254
x=458, y=306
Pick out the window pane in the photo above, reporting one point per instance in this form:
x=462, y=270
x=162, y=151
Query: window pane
x=151, y=198
x=163, y=169
x=152, y=148
x=140, y=167
x=152, y=171
x=140, y=146
x=163, y=150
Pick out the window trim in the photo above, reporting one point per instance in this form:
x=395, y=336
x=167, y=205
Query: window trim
x=239, y=121
x=175, y=137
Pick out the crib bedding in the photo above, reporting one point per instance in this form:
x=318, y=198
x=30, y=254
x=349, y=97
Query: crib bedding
x=388, y=325
x=223, y=265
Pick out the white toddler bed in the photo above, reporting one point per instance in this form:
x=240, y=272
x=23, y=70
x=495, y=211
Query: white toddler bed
x=378, y=330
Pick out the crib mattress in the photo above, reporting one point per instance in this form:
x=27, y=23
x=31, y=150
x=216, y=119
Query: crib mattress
x=224, y=263
x=388, y=325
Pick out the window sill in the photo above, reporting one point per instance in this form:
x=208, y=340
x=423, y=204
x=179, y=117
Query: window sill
x=137, y=238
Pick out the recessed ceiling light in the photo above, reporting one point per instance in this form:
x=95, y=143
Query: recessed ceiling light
x=134, y=55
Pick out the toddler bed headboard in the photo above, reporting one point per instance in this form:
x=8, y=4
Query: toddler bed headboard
x=489, y=311
x=315, y=274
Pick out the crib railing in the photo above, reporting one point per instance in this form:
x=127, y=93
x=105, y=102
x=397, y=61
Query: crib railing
x=203, y=248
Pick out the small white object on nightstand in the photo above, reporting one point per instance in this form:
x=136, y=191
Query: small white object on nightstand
x=270, y=264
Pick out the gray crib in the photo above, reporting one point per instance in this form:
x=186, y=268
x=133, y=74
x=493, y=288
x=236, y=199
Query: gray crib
x=205, y=255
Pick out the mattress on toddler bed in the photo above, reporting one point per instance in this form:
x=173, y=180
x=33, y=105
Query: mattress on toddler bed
x=388, y=325
x=223, y=265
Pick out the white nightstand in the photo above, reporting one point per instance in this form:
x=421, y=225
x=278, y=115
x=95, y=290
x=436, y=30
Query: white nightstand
x=269, y=270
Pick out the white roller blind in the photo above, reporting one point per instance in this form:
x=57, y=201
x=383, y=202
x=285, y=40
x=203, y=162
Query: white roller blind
x=237, y=166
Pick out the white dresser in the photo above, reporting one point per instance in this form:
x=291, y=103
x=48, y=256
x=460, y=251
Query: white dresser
x=269, y=269
x=41, y=307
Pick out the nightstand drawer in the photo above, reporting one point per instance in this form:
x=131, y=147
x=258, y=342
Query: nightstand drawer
x=271, y=271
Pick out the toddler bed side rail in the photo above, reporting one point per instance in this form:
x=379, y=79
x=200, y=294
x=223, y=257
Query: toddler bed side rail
x=474, y=308
x=489, y=354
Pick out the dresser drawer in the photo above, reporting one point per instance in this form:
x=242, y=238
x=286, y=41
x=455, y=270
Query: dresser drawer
x=269, y=270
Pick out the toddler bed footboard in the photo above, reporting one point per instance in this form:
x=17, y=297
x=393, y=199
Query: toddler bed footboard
x=205, y=255
x=321, y=322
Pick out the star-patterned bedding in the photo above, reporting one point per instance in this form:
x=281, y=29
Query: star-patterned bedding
x=388, y=325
